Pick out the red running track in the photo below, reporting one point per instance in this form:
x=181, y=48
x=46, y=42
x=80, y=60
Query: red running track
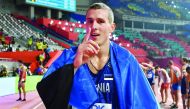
x=33, y=101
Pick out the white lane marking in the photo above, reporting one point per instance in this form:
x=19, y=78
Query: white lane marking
x=36, y=107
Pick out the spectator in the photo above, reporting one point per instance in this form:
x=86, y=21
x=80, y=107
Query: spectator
x=30, y=42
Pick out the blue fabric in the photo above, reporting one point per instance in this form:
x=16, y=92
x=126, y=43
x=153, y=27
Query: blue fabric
x=66, y=57
x=183, y=85
x=133, y=89
x=176, y=86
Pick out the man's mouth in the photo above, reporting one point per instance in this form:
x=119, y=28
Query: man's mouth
x=94, y=35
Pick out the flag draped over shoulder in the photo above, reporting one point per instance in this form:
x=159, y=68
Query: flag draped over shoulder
x=132, y=87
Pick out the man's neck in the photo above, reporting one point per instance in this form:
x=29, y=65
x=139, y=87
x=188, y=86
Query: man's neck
x=98, y=61
x=104, y=50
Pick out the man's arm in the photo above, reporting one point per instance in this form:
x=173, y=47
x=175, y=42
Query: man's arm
x=143, y=67
x=23, y=75
x=178, y=74
x=148, y=65
x=187, y=84
x=158, y=80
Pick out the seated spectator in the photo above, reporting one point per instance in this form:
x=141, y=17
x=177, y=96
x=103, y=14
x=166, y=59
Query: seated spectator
x=47, y=56
x=41, y=58
x=3, y=72
x=18, y=48
x=30, y=42
x=14, y=73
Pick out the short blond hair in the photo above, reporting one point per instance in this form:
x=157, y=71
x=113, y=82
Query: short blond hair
x=103, y=6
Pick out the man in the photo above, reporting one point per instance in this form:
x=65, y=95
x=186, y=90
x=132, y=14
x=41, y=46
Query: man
x=21, y=82
x=30, y=42
x=184, y=93
x=106, y=75
x=175, y=75
x=187, y=86
x=163, y=75
x=150, y=73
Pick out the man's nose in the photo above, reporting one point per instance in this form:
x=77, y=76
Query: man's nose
x=94, y=25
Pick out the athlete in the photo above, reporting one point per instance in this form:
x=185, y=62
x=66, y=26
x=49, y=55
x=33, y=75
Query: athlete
x=183, y=82
x=163, y=75
x=150, y=73
x=98, y=73
x=21, y=82
x=175, y=75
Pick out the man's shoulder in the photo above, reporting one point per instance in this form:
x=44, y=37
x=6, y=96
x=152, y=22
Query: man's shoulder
x=120, y=48
x=164, y=70
x=176, y=68
x=121, y=51
x=123, y=56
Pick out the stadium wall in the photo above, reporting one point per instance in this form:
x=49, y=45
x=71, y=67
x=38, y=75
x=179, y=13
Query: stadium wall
x=9, y=85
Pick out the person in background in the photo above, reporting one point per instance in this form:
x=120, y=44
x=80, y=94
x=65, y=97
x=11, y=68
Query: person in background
x=30, y=42
x=188, y=86
x=150, y=73
x=175, y=75
x=21, y=82
x=184, y=93
x=163, y=75
x=47, y=55
x=14, y=73
x=3, y=71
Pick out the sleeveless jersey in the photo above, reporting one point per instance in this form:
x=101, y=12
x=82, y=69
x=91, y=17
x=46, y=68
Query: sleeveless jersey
x=150, y=76
x=106, y=89
x=166, y=78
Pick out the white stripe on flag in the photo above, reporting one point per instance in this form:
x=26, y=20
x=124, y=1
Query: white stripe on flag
x=108, y=78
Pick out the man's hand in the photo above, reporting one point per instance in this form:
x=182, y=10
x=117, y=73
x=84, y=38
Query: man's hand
x=87, y=49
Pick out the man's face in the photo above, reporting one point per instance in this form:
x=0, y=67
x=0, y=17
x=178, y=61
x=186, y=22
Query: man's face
x=156, y=70
x=97, y=20
x=182, y=61
x=188, y=75
x=170, y=65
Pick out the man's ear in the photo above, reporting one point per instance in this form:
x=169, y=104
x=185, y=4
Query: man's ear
x=113, y=26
